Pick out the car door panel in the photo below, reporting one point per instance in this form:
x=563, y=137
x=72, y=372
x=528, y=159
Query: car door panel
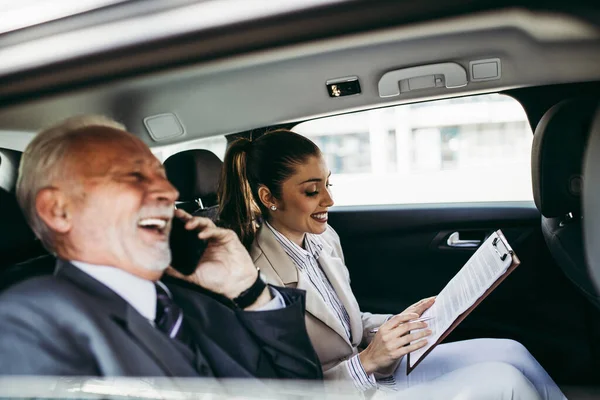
x=399, y=254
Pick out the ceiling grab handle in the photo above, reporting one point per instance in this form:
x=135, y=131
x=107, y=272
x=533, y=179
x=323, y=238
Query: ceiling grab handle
x=449, y=75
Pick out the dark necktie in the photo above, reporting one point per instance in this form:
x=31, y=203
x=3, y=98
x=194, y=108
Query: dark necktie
x=170, y=320
x=169, y=317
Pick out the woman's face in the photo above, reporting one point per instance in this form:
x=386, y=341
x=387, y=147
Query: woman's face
x=304, y=201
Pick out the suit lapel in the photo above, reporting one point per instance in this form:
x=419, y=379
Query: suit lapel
x=154, y=342
x=334, y=269
x=283, y=266
x=319, y=309
x=287, y=271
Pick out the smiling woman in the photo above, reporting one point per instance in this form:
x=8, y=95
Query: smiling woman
x=304, y=201
x=275, y=194
x=254, y=173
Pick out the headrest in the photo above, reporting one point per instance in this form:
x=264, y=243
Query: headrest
x=195, y=174
x=557, y=156
x=17, y=241
x=9, y=168
x=591, y=201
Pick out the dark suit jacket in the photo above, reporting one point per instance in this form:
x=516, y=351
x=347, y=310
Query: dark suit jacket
x=71, y=324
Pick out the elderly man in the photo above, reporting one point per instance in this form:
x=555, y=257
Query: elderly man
x=99, y=200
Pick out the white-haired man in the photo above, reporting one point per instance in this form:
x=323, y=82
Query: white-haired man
x=99, y=200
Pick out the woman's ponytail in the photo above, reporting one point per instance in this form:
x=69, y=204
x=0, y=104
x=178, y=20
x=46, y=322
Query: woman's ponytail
x=237, y=209
x=266, y=161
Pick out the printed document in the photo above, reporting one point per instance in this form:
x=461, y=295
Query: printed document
x=484, y=268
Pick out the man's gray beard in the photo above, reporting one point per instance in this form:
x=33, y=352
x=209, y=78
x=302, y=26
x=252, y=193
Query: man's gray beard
x=163, y=260
x=160, y=264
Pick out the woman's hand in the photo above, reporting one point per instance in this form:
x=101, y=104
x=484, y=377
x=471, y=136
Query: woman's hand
x=393, y=341
x=420, y=306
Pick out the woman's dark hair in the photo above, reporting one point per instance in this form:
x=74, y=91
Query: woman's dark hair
x=269, y=160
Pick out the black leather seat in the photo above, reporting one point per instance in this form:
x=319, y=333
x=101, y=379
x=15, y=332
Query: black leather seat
x=195, y=174
x=557, y=159
x=21, y=254
x=17, y=241
x=591, y=201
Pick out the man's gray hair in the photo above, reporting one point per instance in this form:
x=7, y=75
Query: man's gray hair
x=42, y=163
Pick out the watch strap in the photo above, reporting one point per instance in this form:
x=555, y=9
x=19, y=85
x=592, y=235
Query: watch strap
x=249, y=296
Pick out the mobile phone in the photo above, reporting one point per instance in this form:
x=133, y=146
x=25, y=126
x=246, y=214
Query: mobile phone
x=186, y=247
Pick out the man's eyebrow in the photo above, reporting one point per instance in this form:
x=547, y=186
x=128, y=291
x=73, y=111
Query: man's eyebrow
x=153, y=164
x=136, y=164
x=315, y=179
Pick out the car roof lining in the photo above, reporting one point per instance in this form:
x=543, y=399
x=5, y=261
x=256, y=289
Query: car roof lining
x=288, y=84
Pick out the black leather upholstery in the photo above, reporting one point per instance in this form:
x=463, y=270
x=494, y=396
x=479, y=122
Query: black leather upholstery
x=22, y=255
x=42, y=265
x=566, y=245
x=195, y=174
x=557, y=158
x=210, y=212
x=17, y=241
x=591, y=202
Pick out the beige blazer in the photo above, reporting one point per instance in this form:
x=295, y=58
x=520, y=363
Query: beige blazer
x=324, y=328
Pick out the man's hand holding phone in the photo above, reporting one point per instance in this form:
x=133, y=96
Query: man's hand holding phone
x=225, y=266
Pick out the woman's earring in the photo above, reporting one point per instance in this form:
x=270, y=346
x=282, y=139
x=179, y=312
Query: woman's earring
x=273, y=207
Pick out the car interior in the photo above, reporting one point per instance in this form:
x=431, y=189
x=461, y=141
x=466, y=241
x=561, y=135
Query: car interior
x=558, y=182
x=182, y=74
x=195, y=174
x=591, y=171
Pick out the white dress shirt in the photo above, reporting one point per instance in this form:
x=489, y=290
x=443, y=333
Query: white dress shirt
x=141, y=293
x=307, y=262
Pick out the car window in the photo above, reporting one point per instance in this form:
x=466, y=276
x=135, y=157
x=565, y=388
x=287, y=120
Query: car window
x=469, y=149
x=216, y=144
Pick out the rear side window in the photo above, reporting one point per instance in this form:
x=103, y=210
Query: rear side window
x=470, y=149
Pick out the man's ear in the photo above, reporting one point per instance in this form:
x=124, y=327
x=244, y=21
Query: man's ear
x=53, y=207
x=265, y=196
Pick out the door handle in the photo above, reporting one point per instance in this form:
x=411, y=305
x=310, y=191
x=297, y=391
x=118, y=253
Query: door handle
x=454, y=240
x=449, y=75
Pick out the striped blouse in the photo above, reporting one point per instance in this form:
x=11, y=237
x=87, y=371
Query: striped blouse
x=307, y=264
